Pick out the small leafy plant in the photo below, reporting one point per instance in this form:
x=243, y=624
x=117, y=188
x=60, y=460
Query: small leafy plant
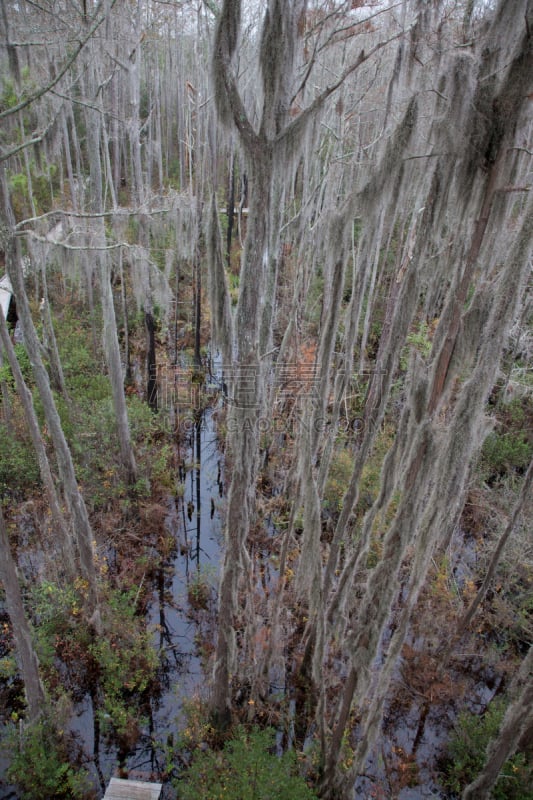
x=246, y=769
x=199, y=592
x=504, y=453
x=467, y=753
x=127, y=665
x=43, y=765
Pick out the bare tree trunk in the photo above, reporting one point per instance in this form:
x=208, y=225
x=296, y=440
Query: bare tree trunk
x=221, y=319
x=517, y=720
x=134, y=122
x=68, y=160
x=197, y=289
x=112, y=350
x=66, y=542
x=111, y=344
x=49, y=339
x=6, y=403
x=26, y=655
x=158, y=134
x=271, y=149
x=246, y=393
x=128, y=378
x=76, y=504
x=151, y=366
x=467, y=617
x=230, y=207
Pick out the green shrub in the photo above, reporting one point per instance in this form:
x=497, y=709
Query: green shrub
x=340, y=471
x=24, y=364
x=19, y=470
x=41, y=766
x=8, y=96
x=62, y=637
x=200, y=590
x=418, y=339
x=504, y=453
x=127, y=663
x=43, y=185
x=467, y=754
x=246, y=769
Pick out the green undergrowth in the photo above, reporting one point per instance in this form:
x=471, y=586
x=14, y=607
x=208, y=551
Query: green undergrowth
x=45, y=764
x=90, y=424
x=121, y=661
x=19, y=470
x=508, y=449
x=245, y=762
x=126, y=665
x=247, y=768
x=467, y=754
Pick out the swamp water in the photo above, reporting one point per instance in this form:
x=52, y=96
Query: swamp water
x=180, y=613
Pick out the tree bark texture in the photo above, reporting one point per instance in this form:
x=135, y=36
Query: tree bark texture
x=26, y=655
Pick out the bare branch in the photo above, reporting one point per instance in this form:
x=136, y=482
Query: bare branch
x=423, y=155
x=227, y=97
x=508, y=189
x=24, y=145
x=74, y=247
x=117, y=212
x=66, y=66
x=356, y=23
x=522, y=150
x=296, y=127
x=76, y=101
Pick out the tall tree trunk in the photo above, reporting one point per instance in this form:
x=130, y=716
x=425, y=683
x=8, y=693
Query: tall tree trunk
x=76, y=504
x=230, y=208
x=6, y=402
x=517, y=720
x=246, y=393
x=65, y=538
x=219, y=302
x=26, y=655
x=510, y=528
x=151, y=366
x=114, y=362
x=111, y=344
x=271, y=149
x=128, y=377
x=197, y=304
x=49, y=339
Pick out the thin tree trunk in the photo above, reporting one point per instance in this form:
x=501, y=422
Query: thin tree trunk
x=231, y=208
x=50, y=342
x=68, y=160
x=517, y=720
x=128, y=378
x=198, y=289
x=76, y=504
x=6, y=402
x=466, y=619
x=112, y=350
x=26, y=655
x=221, y=319
x=151, y=366
x=110, y=335
x=65, y=539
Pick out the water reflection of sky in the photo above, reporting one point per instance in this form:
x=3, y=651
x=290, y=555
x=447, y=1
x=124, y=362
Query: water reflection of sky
x=194, y=522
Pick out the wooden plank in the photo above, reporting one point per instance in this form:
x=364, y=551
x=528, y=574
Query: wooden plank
x=120, y=789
